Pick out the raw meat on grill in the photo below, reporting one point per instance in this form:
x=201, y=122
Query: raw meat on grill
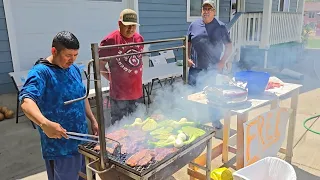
x=134, y=159
x=161, y=153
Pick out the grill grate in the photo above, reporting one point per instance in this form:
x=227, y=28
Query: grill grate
x=120, y=159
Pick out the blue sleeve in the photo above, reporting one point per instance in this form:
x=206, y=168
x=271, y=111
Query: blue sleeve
x=34, y=86
x=225, y=35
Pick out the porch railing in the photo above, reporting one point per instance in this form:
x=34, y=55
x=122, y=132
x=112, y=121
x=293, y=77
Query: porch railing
x=246, y=28
x=252, y=25
x=285, y=27
x=235, y=29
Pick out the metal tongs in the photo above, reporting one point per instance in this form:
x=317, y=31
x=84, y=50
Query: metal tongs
x=81, y=137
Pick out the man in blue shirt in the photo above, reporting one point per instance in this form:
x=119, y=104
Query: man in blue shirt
x=50, y=83
x=209, y=48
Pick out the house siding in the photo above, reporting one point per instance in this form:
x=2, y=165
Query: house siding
x=293, y=5
x=224, y=10
x=164, y=19
x=257, y=5
x=280, y=56
x=6, y=83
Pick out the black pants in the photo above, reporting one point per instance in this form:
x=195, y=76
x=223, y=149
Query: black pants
x=121, y=108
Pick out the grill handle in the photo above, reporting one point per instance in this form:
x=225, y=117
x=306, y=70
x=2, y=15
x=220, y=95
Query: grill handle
x=96, y=163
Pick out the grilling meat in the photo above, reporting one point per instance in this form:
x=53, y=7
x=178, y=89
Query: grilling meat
x=108, y=149
x=145, y=156
x=117, y=135
x=134, y=159
x=161, y=153
x=141, y=158
x=146, y=159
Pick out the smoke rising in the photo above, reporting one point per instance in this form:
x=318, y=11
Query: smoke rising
x=172, y=102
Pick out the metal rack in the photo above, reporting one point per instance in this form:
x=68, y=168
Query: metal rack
x=95, y=62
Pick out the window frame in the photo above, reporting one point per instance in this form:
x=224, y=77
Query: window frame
x=193, y=18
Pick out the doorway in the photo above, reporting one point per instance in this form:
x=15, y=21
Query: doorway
x=233, y=8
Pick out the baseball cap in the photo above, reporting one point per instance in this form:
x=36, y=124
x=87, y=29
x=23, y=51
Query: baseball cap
x=209, y=2
x=129, y=17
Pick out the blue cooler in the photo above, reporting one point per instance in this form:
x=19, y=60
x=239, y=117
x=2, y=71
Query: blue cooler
x=256, y=81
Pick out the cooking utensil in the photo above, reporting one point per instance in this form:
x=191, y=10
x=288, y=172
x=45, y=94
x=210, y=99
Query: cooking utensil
x=82, y=137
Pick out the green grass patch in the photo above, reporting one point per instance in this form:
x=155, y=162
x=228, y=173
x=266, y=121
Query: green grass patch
x=313, y=43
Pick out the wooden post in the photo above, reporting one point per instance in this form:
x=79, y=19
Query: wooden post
x=292, y=125
x=226, y=134
x=242, y=118
x=266, y=23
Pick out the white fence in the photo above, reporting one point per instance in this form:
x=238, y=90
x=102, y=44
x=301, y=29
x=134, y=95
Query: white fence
x=285, y=27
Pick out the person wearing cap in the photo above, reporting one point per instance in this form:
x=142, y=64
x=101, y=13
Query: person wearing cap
x=124, y=73
x=209, y=47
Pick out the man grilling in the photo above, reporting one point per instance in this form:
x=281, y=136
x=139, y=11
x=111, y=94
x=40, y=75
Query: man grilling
x=125, y=73
x=51, y=82
x=207, y=39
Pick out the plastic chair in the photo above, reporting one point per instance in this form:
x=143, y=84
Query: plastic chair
x=19, y=79
x=269, y=168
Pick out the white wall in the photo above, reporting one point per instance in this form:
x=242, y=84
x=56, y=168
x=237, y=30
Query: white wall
x=33, y=23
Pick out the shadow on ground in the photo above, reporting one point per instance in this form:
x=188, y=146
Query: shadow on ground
x=301, y=174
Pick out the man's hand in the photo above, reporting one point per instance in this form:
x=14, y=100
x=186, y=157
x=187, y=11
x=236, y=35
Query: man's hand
x=54, y=130
x=190, y=63
x=221, y=65
x=94, y=127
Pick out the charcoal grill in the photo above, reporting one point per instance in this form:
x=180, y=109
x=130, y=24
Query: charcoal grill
x=102, y=162
x=156, y=170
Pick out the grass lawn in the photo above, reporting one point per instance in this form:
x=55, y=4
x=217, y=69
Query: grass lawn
x=313, y=43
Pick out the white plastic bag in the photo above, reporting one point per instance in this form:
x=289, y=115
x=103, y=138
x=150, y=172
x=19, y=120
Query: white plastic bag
x=269, y=168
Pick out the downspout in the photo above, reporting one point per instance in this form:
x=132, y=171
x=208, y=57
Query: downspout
x=217, y=8
x=266, y=26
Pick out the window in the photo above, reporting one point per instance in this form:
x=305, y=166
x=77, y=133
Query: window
x=194, y=9
x=311, y=14
x=233, y=9
x=284, y=5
